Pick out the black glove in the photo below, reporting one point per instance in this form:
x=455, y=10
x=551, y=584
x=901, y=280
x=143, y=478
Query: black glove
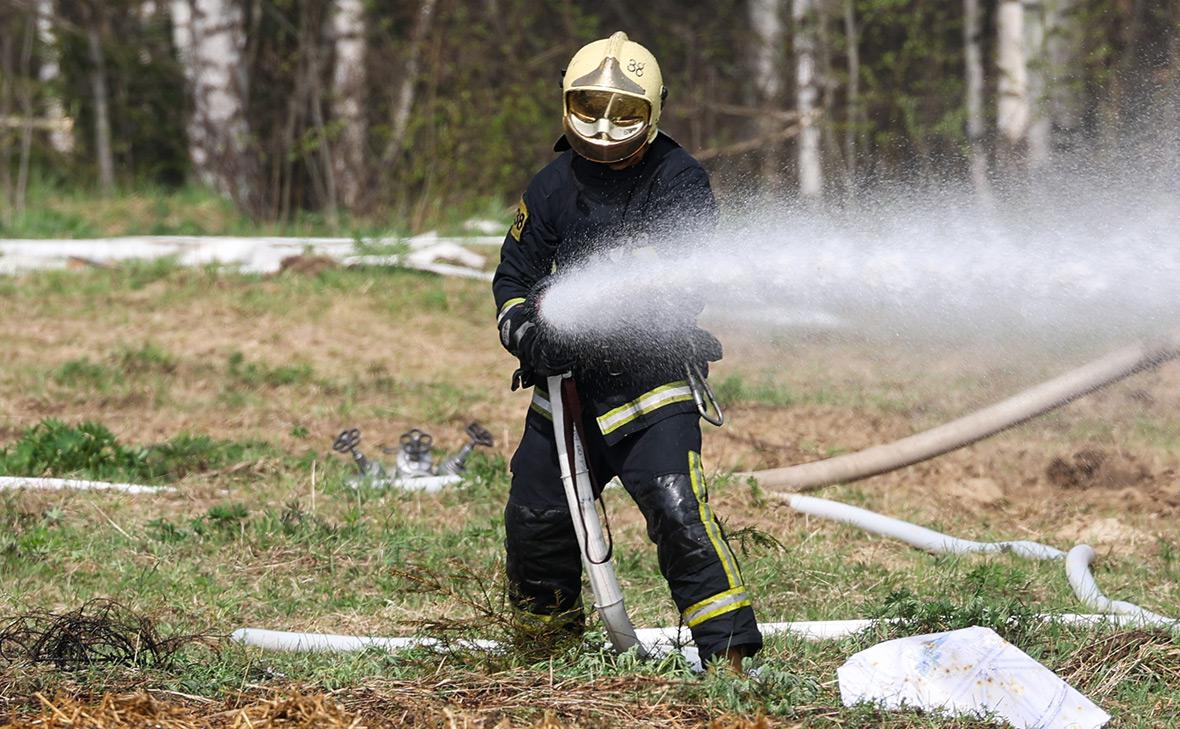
x=543, y=356
x=523, y=334
x=703, y=346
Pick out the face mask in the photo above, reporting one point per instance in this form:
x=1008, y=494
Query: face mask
x=607, y=116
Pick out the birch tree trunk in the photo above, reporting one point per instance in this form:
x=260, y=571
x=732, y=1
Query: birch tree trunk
x=1039, y=125
x=405, y=97
x=61, y=133
x=811, y=179
x=102, y=114
x=210, y=40
x=348, y=100
x=1012, y=113
x=766, y=20
x=972, y=37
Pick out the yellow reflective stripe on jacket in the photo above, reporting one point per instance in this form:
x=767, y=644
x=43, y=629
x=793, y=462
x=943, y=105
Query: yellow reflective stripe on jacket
x=507, y=305
x=719, y=604
x=728, y=562
x=541, y=404
x=649, y=401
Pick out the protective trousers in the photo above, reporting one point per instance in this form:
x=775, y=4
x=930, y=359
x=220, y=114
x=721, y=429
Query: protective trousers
x=660, y=467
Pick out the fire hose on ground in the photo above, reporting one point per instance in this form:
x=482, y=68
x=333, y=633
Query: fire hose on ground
x=1047, y=396
x=872, y=461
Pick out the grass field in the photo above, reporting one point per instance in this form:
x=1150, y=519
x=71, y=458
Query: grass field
x=231, y=388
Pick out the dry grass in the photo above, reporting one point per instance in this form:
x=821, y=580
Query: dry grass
x=98, y=632
x=466, y=702
x=1134, y=655
x=386, y=352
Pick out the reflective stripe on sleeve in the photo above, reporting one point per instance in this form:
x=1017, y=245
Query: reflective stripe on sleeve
x=541, y=404
x=678, y=391
x=507, y=305
x=719, y=604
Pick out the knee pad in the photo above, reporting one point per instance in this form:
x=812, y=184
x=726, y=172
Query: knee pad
x=669, y=504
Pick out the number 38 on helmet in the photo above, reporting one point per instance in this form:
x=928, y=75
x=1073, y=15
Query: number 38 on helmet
x=612, y=93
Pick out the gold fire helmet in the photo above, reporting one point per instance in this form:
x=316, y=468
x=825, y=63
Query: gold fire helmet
x=612, y=92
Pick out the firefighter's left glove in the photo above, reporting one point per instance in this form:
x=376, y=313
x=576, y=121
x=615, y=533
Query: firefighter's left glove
x=703, y=346
x=542, y=355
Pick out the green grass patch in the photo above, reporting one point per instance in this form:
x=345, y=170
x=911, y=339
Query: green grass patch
x=736, y=389
x=258, y=374
x=89, y=450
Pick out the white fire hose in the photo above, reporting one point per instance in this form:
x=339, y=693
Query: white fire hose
x=575, y=477
x=964, y=431
x=1077, y=561
x=14, y=483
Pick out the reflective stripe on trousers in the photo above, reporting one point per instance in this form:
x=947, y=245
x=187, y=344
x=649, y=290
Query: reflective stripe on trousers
x=736, y=596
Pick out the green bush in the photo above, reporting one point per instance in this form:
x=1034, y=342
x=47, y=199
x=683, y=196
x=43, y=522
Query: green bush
x=89, y=450
x=53, y=448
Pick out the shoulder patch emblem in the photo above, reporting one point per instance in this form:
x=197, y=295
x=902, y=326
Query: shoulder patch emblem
x=522, y=216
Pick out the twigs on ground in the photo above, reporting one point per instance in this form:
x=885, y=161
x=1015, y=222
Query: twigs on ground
x=100, y=632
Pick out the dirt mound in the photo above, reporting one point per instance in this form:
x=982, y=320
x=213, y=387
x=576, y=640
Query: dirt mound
x=1091, y=468
x=306, y=265
x=1107, y=533
x=976, y=491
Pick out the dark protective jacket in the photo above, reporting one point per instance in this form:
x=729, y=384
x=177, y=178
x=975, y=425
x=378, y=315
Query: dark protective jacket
x=574, y=208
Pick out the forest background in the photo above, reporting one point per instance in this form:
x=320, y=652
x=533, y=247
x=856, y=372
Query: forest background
x=408, y=112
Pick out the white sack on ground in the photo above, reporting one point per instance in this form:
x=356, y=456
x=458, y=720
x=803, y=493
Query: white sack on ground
x=971, y=672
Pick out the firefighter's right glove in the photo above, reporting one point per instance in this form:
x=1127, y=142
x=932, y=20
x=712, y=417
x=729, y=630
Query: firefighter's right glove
x=525, y=336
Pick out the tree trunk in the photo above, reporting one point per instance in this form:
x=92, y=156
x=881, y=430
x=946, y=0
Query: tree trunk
x=1174, y=70
x=972, y=41
x=1012, y=113
x=104, y=158
x=7, y=74
x=405, y=97
x=852, y=126
x=26, y=137
x=348, y=101
x=61, y=133
x=310, y=41
x=1064, y=38
x=811, y=180
x=210, y=40
x=1039, y=124
x=766, y=22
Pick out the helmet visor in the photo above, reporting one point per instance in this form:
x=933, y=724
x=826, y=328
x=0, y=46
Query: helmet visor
x=606, y=116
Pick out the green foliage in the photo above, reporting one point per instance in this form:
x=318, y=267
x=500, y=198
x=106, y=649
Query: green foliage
x=89, y=450
x=1008, y=616
x=148, y=358
x=255, y=374
x=84, y=373
x=772, y=690
x=733, y=389
x=53, y=448
x=43, y=221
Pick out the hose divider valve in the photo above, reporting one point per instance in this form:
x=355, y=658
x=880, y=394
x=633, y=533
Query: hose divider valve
x=415, y=458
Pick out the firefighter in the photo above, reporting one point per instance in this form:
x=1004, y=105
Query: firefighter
x=617, y=184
